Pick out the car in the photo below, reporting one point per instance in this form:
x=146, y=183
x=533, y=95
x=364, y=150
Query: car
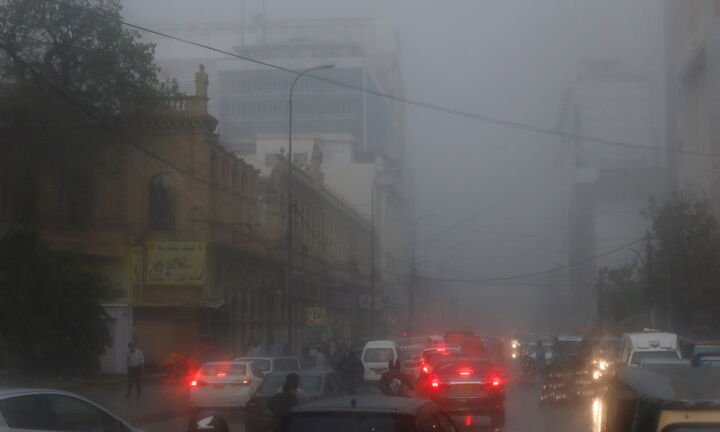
x=468, y=386
x=224, y=384
x=313, y=384
x=433, y=357
x=375, y=357
x=274, y=364
x=706, y=360
x=648, y=344
x=410, y=359
x=531, y=350
x=55, y=410
x=368, y=413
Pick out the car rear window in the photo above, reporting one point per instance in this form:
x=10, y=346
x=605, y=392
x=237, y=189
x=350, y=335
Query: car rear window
x=639, y=356
x=411, y=354
x=309, y=384
x=378, y=355
x=263, y=365
x=473, y=368
x=227, y=369
x=349, y=422
x=286, y=364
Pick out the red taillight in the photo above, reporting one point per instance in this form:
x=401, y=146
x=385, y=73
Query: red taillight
x=441, y=348
x=425, y=369
x=193, y=383
x=221, y=374
x=496, y=381
x=435, y=383
x=245, y=382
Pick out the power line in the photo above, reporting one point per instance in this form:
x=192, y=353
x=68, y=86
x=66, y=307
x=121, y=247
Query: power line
x=408, y=101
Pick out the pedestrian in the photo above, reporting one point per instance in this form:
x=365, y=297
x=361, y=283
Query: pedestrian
x=255, y=349
x=281, y=403
x=352, y=371
x=135, y=362
x=274, y=348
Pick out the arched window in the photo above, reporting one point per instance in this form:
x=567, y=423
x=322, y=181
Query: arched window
x=161, y=203
x=78, y=201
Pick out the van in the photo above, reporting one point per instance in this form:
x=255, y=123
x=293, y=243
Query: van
x=375, y=358
x=637, y=347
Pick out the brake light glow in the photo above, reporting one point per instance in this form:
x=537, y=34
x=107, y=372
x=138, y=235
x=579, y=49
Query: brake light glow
x=193, y=383
x=435, y=383
x=221, y=374
x=441, y=348
x=496, y=381
x=245, y=382
x=425, y=369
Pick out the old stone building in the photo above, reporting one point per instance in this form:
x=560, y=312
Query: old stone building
x=189, y=240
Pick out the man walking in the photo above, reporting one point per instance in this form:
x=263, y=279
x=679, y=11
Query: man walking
x=135, y=362
x=281, y=403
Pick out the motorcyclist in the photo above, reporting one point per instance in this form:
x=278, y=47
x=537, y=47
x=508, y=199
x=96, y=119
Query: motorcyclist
x=394, y=382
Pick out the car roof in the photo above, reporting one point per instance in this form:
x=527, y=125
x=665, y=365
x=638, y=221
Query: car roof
x=672, y=385
x=380, y=344
x=231, y=362
x=306, y=372
x=11, y=392
x=364, y=403
x=411, y=347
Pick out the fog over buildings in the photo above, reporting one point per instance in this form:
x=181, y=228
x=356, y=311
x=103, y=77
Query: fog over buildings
x=504, y=200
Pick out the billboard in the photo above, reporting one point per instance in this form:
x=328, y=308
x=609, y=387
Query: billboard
x=176, y=263
x=315, y=317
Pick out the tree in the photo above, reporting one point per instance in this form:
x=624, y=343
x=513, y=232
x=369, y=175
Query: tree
x=51, y=319
x=678, y=274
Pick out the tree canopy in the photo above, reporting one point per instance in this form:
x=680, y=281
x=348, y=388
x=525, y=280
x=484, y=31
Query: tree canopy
x=79, y=47
x=51, y=319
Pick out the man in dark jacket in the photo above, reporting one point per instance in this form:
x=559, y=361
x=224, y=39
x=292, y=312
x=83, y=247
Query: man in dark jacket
x=394, y=382
x=281, y=403
x=352, y=371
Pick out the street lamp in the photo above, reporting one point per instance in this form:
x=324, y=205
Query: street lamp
x=413, y=270
x=372, y=247
x=288, y=272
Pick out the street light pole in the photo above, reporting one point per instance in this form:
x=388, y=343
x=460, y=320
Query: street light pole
x=413, y=270
x=372, y=248
x=288, y=271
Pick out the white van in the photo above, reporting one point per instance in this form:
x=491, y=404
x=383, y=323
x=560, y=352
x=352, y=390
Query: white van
x=375, y=358
x=640, y=346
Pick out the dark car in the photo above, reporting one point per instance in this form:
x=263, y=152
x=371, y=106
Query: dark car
x=368, y=413
x=313, y=384
x=468, y=386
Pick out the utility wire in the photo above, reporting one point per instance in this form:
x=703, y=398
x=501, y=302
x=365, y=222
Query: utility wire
x=421, y=104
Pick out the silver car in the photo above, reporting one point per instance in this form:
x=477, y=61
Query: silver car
x=55, y=410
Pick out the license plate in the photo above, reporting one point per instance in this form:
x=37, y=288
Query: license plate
x=464, y=388
x=218, y=386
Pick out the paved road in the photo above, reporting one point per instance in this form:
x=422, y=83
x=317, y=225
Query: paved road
x=523, y=415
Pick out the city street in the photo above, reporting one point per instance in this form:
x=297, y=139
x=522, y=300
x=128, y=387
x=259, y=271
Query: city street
x=524, y=414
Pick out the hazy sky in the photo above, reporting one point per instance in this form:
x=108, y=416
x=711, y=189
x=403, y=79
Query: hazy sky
x=508, y=59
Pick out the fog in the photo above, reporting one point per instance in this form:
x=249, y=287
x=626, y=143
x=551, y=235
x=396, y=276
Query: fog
x=497, y=194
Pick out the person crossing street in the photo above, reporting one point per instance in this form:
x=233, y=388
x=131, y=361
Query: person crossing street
x=135, y=362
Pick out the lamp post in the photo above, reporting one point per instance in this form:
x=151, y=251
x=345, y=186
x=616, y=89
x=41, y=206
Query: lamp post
x=372, y=247
x=413, y=269
x=288, y=271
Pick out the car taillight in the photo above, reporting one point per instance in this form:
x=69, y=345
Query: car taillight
x=245, y=382
x=193, y=383
x=435, y=383
x=496, y=381
x=221, y=374
x=466, y=372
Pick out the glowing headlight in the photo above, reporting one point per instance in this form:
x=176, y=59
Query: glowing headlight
x=597, y=374
x=514, y=355
x=514, y=345
x=603, y=365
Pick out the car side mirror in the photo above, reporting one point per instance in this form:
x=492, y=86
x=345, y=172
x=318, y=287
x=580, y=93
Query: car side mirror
x=207, y=421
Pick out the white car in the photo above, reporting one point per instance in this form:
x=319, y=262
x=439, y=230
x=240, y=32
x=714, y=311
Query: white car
x=224, y=384
x=55, y=410
x=376, y=356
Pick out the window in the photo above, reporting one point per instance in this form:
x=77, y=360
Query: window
x=78, y=201
x=382, y=355
x=286, y=364
x=74, y=414
x=27, y=412
x=161, y=208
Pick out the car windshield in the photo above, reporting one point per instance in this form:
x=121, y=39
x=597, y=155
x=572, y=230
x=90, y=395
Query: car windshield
x=309, y=384
x=263, y=365
x=639, y=356
x=223, y=369
x=378, y=355
x=350, y=422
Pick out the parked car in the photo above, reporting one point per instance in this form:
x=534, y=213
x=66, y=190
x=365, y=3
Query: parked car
x=224, y=384
x=368, y=413
x=55, y=410
x=375, y=358
x=274, y=364
x=313, y=384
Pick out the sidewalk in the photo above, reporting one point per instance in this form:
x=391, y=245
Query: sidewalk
x=159, y=401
